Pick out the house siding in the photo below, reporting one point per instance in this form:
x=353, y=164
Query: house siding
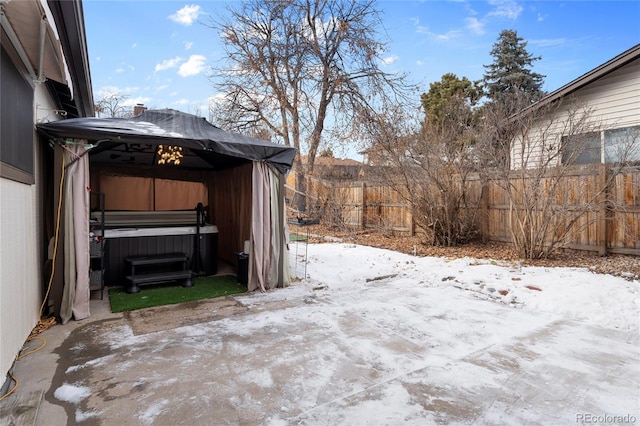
x=615, y=98
x=20, y=287
x=23, y=184
x=22, y=247
x=610, y=102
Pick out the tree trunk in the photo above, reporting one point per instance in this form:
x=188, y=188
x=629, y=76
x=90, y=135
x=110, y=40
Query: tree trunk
x=301, y=188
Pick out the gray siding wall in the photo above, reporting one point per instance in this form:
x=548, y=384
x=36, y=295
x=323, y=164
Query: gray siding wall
x=610, y=102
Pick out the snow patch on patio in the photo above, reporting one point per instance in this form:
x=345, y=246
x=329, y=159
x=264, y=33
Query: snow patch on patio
x=72, y=393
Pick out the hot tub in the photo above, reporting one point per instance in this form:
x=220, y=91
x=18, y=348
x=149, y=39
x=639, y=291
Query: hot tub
x=146, y=241
x=156, y=232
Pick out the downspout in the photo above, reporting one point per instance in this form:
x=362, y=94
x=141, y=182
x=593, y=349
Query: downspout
x=43, y=34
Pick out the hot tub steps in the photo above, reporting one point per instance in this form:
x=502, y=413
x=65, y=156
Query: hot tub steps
x=174, y=268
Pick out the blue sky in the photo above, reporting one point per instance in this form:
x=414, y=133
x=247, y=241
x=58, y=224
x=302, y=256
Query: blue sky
x=159, y=52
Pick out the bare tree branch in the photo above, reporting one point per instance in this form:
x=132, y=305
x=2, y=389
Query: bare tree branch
x=303, y=69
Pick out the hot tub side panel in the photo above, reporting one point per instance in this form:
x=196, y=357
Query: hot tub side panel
x=118, y=249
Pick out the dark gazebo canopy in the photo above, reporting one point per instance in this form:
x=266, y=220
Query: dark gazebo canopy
x=135, y=141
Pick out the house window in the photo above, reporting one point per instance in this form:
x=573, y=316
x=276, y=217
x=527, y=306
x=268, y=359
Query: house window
x=583, y=148
x=622, y=145
x=16, y=123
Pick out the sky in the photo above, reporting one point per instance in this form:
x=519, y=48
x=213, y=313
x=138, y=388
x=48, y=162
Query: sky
x=368, y=336
x=160, y=53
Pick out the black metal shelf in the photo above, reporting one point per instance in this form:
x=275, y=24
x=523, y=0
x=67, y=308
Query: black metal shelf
x=96, y=248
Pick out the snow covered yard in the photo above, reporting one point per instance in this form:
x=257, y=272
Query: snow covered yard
x=375, y=337
x=573, y=293
x=537, y=354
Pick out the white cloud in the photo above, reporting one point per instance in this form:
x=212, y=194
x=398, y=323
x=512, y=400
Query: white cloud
x=194, y=65
x=182, y=101
x=505, y=8
x=125, y=94
x=108, y=91
x=541, y=17
x=471, y=11
x=449, y=35
x=474, y=25
x=122, y=68
x=119, y=91
x=549, y=42
x=421, y=29
x=131, y=102
x=168, y=63
x=187, y=15
x=134, y=45
x=389, y=60
x=217, y=98
x=188, y=45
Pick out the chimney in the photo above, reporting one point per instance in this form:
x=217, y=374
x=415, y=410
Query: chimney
x=138, y=109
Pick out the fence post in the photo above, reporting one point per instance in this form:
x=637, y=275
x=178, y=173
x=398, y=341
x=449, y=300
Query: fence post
x=603, y=235
x=363, y=221
x=484, y=211
x=412, y=224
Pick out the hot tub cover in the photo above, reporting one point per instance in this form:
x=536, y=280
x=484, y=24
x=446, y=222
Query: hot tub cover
x=134, y=140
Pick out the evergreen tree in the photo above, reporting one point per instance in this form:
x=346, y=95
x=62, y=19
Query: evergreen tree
x=327, y=152
x=510, y=73
x=450, y=89
x=510, y=86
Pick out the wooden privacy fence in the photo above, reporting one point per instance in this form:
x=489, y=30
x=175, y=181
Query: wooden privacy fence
x=605, y=227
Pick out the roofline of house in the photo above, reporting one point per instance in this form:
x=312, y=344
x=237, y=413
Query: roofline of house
x=69, y=17
x=591, y=76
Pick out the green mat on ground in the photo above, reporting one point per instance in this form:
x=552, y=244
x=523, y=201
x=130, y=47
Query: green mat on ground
x=171, y=293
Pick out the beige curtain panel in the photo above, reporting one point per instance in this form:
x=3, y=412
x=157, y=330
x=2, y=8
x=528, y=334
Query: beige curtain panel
x=75, y=295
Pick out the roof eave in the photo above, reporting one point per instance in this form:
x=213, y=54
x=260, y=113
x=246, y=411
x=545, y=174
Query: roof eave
x=69, y=17
x=591, y=76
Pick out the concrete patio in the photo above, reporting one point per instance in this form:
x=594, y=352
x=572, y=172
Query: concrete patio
x=308, y=355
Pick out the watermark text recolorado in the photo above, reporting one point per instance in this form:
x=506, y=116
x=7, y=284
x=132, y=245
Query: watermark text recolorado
x=590, y=418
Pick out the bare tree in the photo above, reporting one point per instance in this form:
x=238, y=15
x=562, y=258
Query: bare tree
x=306, y=70
x=112, y=105
x=430, y=166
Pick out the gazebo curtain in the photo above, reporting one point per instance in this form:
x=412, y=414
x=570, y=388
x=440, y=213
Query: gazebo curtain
x=268, y=255
x=280, y=231
x=75, y=295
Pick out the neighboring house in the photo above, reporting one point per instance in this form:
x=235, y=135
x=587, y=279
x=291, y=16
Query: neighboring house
x=593, y=119
x=331, y=168
x=374, y=156
x=44, y=77
x=336, y=168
